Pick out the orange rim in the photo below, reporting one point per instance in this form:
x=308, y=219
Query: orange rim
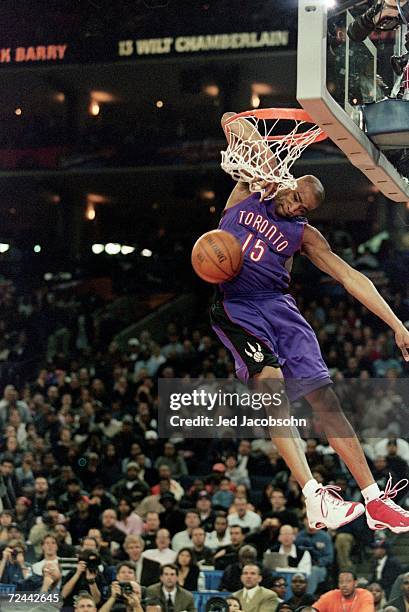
x=295, y=114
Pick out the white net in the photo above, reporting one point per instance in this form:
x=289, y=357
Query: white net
x=258, y=156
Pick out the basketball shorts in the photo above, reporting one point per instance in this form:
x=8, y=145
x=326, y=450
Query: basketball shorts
x=269, y=330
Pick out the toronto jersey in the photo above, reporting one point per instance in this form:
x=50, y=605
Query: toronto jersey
x=267, y=240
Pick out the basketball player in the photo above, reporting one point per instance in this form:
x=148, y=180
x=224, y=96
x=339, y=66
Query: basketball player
x=261, y=325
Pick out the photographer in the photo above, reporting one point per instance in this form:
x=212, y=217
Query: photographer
x=86, y=577
x=13, y=568
x=126, y=593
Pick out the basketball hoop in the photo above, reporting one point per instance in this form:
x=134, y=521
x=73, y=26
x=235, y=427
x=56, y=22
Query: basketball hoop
x=258, y=151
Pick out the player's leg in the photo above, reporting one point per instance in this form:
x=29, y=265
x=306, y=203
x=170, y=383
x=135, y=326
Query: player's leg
x=245, y=334
x=288, y=443
x=340, y=435
x=381, y=511
x=308, y=377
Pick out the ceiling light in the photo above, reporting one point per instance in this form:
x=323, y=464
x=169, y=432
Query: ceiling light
x=94, y=108
x=255, y=101
x=18, y=112
x=112, y=248
x=4, y=247
x=97, y=248
x=37, y=248
x=159, y=103
x=146, y=253
x=127, y=250
x=262, y=89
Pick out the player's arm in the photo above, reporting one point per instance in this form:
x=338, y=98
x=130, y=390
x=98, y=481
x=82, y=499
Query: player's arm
x=317, y=249
x=247, y=131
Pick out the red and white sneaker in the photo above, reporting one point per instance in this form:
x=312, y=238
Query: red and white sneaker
x=326, y=508
x=383, y=513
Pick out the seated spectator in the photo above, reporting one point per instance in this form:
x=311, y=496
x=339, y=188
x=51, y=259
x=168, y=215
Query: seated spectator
x=279, y=510
x=319, y=545
x=68, y=500
x=49, y=548
x=111, y=535
x=237, y=475
x=204, y=507
x=102, y=547
x=385, y=567
x=300, y=597
x=267, y=537
x=131, y=487
x=171, y=595
x=152, y=526
x=83, y=579
x=151, y=503
x=402, y=602
x=23, y=515
x=253, y=597
x=296, y=557
x=63, y=537
x=173, y=460
x=6, y=519
x=378, y=595
x=13, y=568
x=224, y=496
x=231, y=579
x=279, y=587
x=203, y=554
x=48, y=582
x=125, y=592
x=350, y=536
x=188, y=573
x=11, y=488
x=346, y=595
x=221, y=534
x=172, y=518
x=162, y=553
x=226, y=555
x=174, y=486
x=234, y=604
x=128, y=521
x=147, y=572
x=245, y=518
x=84, y=602
x=83, y=518
x=183, y=538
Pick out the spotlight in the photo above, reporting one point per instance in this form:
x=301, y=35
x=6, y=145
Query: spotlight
x=37, y=248
x=112, y=248
x=127, y=250
x=146, y=253
x=97, y=249
x=4, y=247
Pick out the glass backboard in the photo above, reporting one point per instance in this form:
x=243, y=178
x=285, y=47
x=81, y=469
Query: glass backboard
x=337, y=75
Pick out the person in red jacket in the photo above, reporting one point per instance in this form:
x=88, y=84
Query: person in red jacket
x=347, y=597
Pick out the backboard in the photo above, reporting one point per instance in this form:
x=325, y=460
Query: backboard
x=336, y=75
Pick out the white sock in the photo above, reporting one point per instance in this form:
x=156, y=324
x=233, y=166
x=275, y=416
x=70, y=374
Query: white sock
x=310, y=487
x=371, y=492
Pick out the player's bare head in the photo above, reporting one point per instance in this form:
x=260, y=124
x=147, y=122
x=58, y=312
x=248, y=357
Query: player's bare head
x=308, y=195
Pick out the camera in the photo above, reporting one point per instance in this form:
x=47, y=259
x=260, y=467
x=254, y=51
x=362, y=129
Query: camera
x=91, y=558
x=14, y=553
x=126, y=588
x=381, y=16
x=217, y=604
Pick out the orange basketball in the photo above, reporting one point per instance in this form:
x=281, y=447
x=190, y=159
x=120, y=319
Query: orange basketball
x=217, y=256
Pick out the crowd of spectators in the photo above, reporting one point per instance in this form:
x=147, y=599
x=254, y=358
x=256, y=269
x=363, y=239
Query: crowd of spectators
x=101, y=511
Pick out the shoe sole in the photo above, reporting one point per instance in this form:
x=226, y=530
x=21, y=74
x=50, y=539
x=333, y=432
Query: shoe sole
x=349, y=520
x=377, y=526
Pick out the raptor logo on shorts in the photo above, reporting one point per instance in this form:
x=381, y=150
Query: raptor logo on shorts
x=255, y=353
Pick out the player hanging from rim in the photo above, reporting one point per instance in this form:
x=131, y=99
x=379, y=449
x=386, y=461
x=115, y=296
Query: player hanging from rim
x=271, y=342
